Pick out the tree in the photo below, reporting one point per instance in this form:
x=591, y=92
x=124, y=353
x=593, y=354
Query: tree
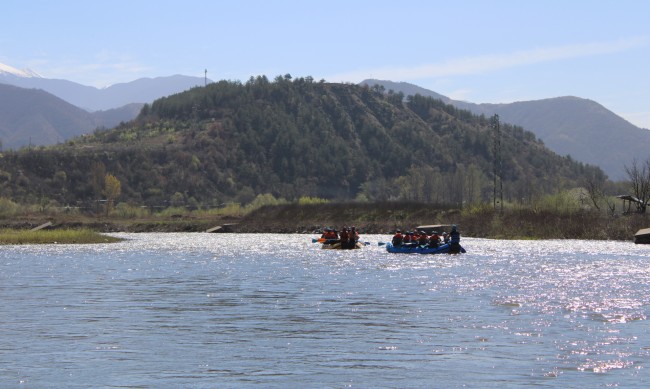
x=98, y=174
x=112, y=189
x=640, y=183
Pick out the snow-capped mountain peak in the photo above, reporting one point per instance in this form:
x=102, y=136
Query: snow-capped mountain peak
x=11, y=71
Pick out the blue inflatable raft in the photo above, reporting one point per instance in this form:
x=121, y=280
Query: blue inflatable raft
x=416, y=249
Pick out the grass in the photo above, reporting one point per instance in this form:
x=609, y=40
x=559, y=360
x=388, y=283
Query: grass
x=64, y=236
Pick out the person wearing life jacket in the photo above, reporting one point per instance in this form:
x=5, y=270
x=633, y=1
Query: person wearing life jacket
x=423, y=239
x=354, y=237
x=434, y=240
x=445, y=237
x=408, y=238
x=331, y=234
x=344, y=236
x=325, y=233
x=454, y=240
x=398, y=238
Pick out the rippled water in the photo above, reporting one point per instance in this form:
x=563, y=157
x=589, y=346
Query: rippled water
x=224, y=310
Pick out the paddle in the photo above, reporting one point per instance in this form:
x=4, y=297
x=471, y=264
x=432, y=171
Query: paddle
x=325, y=240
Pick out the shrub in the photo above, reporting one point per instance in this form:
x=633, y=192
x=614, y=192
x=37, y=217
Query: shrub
x=173, y=211
x=126, y=211
x=8, y=208
x=263, y=200
x=307, y=200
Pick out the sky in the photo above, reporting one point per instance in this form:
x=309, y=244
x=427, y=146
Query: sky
x=497, y=51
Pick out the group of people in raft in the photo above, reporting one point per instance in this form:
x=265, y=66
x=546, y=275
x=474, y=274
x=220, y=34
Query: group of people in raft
x=421, y=239
x=348, y=236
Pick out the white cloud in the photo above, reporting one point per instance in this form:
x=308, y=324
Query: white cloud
x=488, y=63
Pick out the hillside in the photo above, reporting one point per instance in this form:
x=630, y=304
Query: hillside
x=35, y=117
x=30, y=116
x=582, y=128
x=288, y=139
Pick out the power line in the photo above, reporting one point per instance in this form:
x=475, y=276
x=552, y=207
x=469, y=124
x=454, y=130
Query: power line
x=496, y=162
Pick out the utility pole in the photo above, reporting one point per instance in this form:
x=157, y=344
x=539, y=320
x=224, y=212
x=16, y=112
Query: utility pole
x=496, y=162
x=206, y=77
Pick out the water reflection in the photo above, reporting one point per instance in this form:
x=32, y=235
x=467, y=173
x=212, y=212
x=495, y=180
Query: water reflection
x=195, y=310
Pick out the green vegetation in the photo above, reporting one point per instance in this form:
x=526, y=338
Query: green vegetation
x=230, y=142
x=477, y=222
x=568, y=215
x=9, y=236
x=291, y=154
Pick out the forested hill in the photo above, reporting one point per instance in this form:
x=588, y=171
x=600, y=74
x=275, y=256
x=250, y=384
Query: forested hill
x=233, y=141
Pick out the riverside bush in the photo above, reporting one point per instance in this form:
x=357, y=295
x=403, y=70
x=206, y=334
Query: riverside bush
x=307, y=200
x=124, y=210
x=8, y=208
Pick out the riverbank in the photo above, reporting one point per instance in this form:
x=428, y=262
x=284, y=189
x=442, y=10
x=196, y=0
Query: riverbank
x=385, y=218
x=374, y=218
x=61, y=236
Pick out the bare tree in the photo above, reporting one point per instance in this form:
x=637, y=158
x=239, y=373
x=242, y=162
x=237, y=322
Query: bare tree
x=639, y=175
x=596, y=193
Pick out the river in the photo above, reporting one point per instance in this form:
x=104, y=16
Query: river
x=197, y=310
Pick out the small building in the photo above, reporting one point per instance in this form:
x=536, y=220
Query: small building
x=628, y=200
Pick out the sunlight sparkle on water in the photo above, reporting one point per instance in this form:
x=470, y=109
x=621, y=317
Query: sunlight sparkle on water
x=192, y=309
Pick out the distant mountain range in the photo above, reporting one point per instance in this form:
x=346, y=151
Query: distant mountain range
x=581, y=128
x=143, y=90
x=35, y=117
x=40, y=111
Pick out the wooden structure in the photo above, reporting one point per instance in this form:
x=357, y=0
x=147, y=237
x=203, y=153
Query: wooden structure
x=42, y=226
x=438, y=228
x=221, y=228
x=628, y=200
x=642, y=236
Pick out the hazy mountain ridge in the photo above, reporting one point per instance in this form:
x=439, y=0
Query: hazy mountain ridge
x=37, y=118
x=48, y=122
x=143, y=90
x=568, y=125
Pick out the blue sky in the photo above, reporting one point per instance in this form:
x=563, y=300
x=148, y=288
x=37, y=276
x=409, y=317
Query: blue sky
x=496, y=51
